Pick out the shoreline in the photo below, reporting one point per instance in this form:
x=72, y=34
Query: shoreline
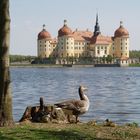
x=49, y=66
x=80, y=131
x=67, y=65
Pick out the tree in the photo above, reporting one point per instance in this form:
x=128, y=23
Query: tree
x=109, y=59
x=104, y=59
x=6, y=117
x=134, y=54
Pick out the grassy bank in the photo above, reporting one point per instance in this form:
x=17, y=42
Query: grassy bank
x=134, y=65
x=86, y=131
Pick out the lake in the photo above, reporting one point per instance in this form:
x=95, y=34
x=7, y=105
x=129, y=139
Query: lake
x=114, y=93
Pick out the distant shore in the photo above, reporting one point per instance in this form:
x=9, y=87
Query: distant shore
x=48, y=65
x=65, y=65
x=36, y=65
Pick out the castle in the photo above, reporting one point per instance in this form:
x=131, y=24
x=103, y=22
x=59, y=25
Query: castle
x=84, y=43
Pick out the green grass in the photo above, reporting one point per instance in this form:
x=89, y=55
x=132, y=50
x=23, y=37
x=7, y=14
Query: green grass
x=134, y=65
x=39, y=131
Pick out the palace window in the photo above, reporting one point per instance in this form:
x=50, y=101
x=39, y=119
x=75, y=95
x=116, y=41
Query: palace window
x=76, y=54
x=98, y=51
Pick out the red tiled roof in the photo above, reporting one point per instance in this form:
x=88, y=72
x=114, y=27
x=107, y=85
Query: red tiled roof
x=121, y=31
x=124, y=58
x=65, y=30
x=44, y=35
x=82, y=35
x=100, y=39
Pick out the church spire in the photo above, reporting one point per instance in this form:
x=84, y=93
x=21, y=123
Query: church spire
x=97, y=18
x=97, y=27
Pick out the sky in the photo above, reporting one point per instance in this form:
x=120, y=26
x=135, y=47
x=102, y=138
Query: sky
x=28, y=16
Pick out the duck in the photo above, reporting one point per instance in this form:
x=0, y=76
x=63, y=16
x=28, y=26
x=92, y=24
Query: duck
x=75, y=107
x=109, y=123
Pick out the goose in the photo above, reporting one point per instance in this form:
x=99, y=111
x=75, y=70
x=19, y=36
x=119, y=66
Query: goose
x=75, y=107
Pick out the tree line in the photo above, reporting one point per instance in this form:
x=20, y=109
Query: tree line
x=21, y=58
x=28, y=58
x=134, y=54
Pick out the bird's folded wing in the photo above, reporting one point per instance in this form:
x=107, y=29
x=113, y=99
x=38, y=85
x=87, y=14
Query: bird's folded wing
x=67, y=105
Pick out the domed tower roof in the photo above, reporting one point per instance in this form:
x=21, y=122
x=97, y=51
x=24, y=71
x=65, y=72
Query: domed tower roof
x=65, y=30
x=121, y=31
x=44, y=34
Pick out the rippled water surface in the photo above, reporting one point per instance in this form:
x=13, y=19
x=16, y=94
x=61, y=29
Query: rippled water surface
x=114, y=93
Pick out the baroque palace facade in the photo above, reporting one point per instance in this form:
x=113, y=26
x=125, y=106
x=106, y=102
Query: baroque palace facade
x=84, y=43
